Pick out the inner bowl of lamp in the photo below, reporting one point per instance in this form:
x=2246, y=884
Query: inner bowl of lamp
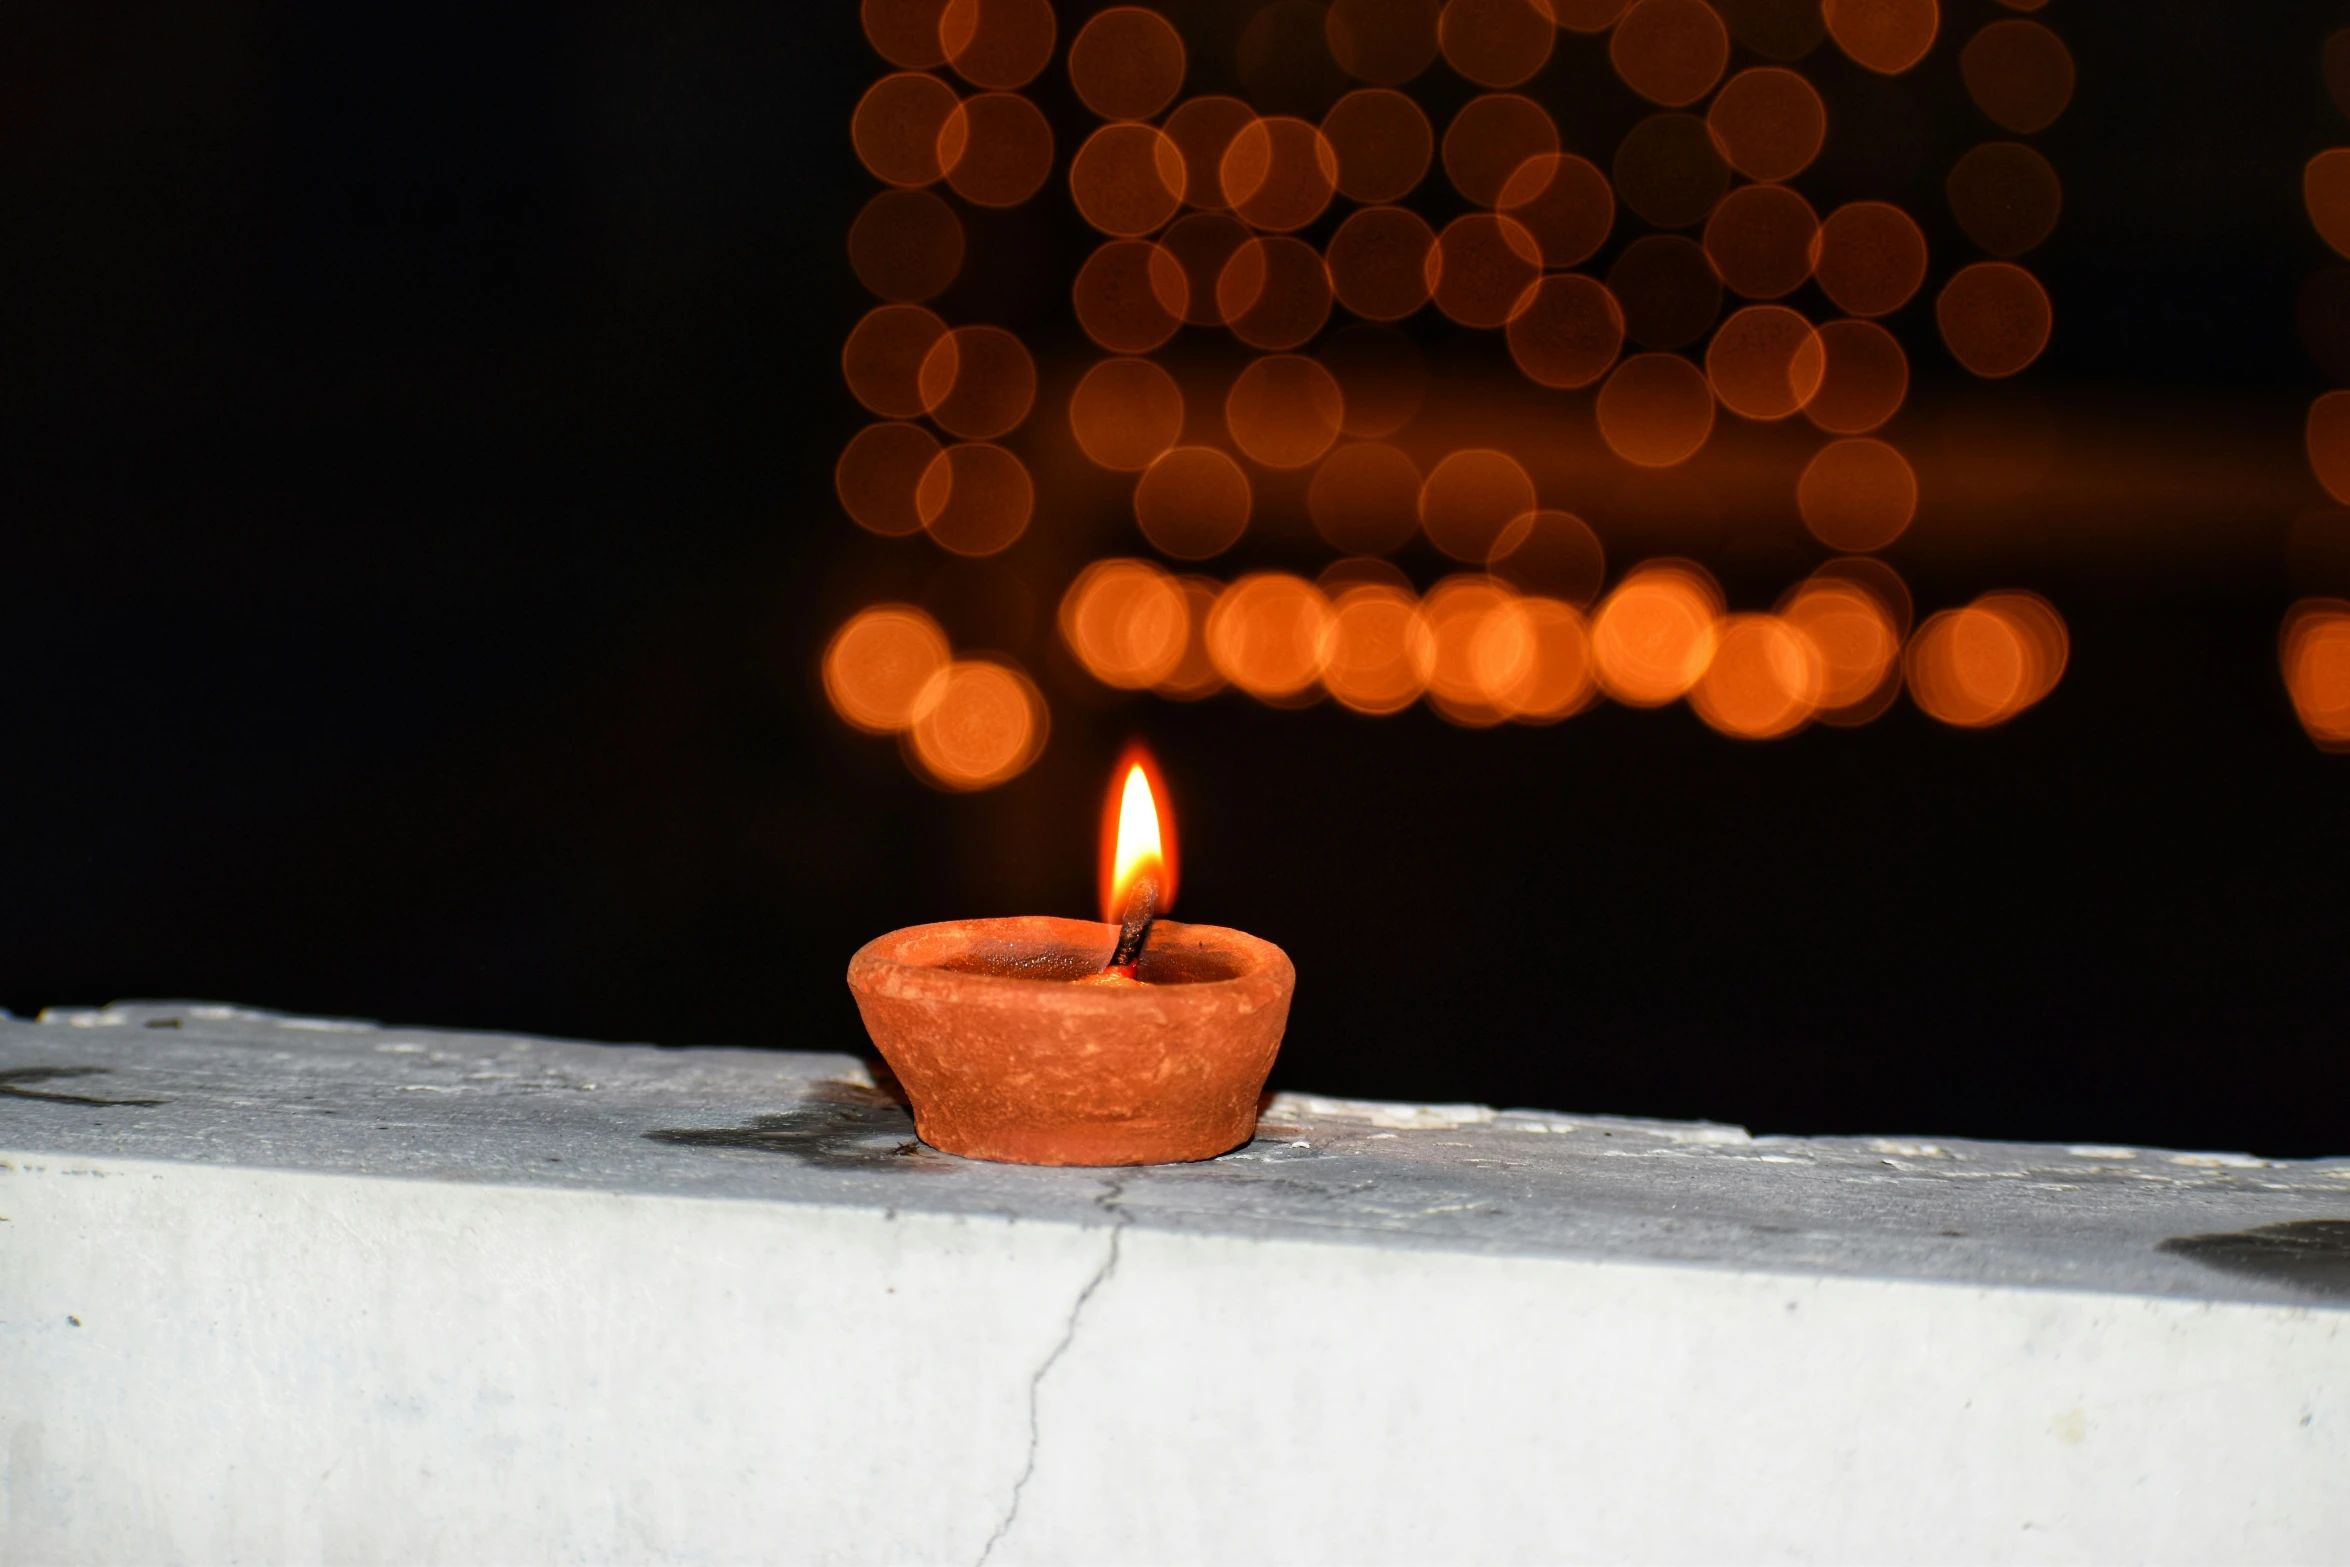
x=1011, y=1046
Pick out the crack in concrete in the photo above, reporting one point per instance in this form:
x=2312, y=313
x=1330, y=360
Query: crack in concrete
x=1108, y=1201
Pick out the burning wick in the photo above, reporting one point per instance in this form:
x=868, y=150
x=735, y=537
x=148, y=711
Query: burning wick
x=1140, y=867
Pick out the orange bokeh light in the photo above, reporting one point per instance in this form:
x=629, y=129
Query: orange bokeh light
x=1125, y=413
x=1365, y=498
x=882, y=360
x=2019, y=73
x=1131, y=295
x=1193, y=253
x=1489, y=138
x=1278, y=173
x=1494, y=43
x=1763, y=681
x=1886, y=36
x=1762, y=240
x=2326, y=436
x=1127, y=621
x=904, y=32
x=896, y=126
x=1383, y=143
x=2006, y=196
x=1284, y=410
x=1656, y=410
x=1567, y=331
x=1872, y=257
x=977, y=382
x=1378, y=262
x=1127, y=63
x=877, y=474
x=997, y=43
x=1982, y=665
x=975, y=498
x=996, y=148
x=978, y=723
x=1377, y=652
x=2314, y=652
x=1769, y=123
x=1127, y=179
x=1879, y=581
x=1483, y=649
x=1469, y=498
x=1564, y=202
x=1267, y=633
x=1865, y=379
x=1192, y=502
x=1202, y=130
x=1652, y=638
x=906, y=245
x=1557, y=679
x=1274, y=293
x=1668, y=170
x=1765, y=363
x=2325, y=191
x=1857, y=494
x=1856, y=641
x=1481, y=269
x=1387, y=42
x=1994, y=317
x=877, y=666
x=1670, y=51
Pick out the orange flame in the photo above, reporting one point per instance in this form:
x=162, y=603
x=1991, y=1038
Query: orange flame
x=1138, y=833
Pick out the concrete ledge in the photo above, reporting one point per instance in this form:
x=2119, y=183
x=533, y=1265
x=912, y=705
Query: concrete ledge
x=280, y=1289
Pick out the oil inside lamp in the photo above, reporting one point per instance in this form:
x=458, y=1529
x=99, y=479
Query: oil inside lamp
x=1037, y=1040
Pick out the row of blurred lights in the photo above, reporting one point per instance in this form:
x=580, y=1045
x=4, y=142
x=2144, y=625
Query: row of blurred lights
x=2313, y=646
x=1837, y=649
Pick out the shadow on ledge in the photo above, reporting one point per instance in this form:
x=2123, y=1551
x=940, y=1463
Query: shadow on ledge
x=839, y=1126
x=2310, y=1254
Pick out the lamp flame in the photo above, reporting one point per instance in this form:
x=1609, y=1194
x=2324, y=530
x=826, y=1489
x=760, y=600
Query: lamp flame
x=1138, y=836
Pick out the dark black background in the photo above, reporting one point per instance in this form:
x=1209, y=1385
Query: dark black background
x=415, y=437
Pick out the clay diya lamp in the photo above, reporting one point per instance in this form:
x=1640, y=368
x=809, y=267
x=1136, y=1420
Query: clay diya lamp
x=1037, y=1040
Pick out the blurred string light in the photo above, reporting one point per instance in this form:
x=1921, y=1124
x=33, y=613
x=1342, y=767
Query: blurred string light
x=1200, y=207
x=1479, y=650
x=2313, y=645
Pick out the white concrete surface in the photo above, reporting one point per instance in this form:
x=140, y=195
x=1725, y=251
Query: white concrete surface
x=272, y=1290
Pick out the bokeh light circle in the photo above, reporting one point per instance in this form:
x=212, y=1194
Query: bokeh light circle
x=1763, y=681
x=1489, y=138
x=1268, y=634
x=1762, y=240
x=1865, y=379
x=1383, y=144
x=1192, y=502
x=2313, y=652
x=904, y=32
x=1377, y=651
x=1482, y=269
x=1378, y=262
x=979, y=723
x=975, y=498
x=878, y=664
x=1670, y=52
x=877, y=475
x=2019, y=73
x=1202, y=130
x=1494, y=43
x=1470, y=497
x=1564, y=202
x=1126, y=63
x=1765, y=363
x=996, y=148
x=882, y=360
x=1857, y=494
x=1284, y=410
x=1127, y=621
x=895, y=127
x=1551, y=554
x=1274, y=293
x=1995, y=318
x=1125, y=413
x=1656, y=410
x=1131, y=295
x=1385, y=42
x=1654, y=635
x=1886, y=36
x=1567, y=332
x=1278, y=174
x=977, y=382
x=1127, y=179
x=997, y=43
x=1768, y=122
x=1872, y=257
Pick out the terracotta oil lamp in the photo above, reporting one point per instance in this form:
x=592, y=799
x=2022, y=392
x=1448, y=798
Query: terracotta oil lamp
x=1037, y=1040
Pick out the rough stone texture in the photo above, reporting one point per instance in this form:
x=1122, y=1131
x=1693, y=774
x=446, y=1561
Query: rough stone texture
x=279, y=1287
